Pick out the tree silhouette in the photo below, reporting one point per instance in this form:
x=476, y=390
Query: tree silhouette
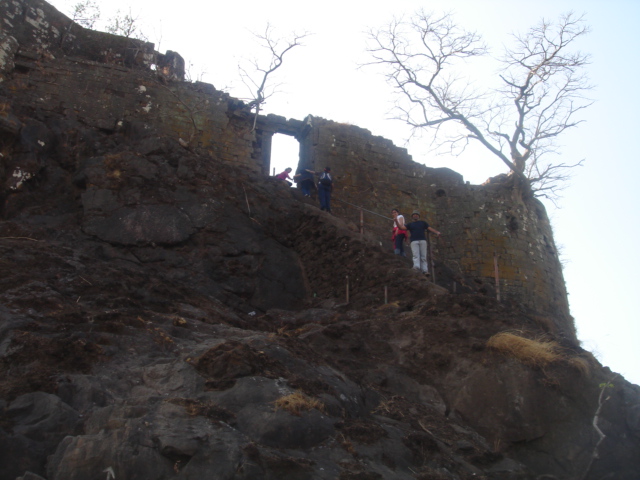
x=541, y=90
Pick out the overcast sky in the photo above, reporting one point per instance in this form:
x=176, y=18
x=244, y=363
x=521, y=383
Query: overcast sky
x=596, y=227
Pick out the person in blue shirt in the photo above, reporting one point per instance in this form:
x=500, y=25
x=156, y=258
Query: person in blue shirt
x=418, y=231
x=325, y=187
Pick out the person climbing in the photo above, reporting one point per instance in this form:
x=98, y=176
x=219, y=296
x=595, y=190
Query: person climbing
x=285, y=175
x=399, y=233
x=325, y=187
x=417, y=231
x=304, y=178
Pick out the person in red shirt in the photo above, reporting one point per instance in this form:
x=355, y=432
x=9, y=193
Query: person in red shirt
x=285, y=175
x=399, y=232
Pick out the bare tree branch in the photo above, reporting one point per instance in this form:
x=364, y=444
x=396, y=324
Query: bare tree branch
x=257, y=77
x=602, y=399
x=541, y=89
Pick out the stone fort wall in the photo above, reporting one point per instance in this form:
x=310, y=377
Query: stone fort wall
x=485, y=227
x=111, y=83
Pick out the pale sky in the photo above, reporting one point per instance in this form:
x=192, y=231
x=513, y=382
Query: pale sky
x=595, y=226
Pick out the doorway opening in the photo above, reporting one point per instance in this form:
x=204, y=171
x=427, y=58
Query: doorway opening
x=285, y=153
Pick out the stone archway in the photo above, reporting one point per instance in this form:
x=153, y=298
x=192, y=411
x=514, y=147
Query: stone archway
x=270, y=125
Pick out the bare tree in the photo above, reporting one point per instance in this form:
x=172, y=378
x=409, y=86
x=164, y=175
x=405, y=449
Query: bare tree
x=85, y=13
x=541, y=90
x=602, y=399
x=256, y=75
x=126, y=25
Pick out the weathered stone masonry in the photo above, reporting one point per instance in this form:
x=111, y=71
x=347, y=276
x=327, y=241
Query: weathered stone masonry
x=105, y=82
x=477, y=221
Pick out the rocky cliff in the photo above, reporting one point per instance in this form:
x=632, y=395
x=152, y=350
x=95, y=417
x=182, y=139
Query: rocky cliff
x=169, y=311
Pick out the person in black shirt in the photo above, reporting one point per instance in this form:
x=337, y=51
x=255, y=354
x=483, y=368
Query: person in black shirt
x=418, y=230
x=304, y=178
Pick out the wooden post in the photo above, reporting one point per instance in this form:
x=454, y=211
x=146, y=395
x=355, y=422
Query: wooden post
x=495, y=266
x=347, y=289
x=432, y=270
x=386, y=296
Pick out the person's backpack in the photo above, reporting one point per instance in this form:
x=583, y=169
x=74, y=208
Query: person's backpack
x=325, y=179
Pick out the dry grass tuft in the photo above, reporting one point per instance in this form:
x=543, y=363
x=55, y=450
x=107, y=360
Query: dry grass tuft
x=540, y=352
x=390, y=305
x=387, y=308
x=536, y=353
x=304, y=329
x=346, y=444
x=298, y=402
x=179, y=322
x=582, y=364
x=210, y=410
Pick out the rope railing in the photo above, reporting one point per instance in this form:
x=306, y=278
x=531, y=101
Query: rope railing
x=361, y=208
x=429, y=252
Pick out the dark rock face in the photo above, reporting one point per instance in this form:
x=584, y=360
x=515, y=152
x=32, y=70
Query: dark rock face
x=142, y=225
x=166, y=311
x=162, y=351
